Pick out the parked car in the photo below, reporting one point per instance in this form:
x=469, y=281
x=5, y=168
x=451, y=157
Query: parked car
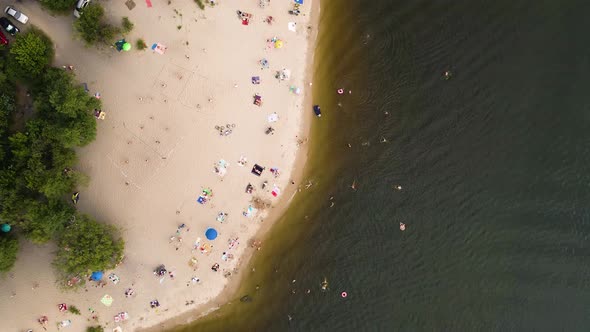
x=3, y=39
x=10, y=11
x=80, y=5
x=8, y=26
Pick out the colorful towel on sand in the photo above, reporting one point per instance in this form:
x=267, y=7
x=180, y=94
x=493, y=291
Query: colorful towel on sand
x=148, y=3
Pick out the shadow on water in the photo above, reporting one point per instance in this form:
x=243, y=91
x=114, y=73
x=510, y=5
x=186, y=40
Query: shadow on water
x=493, y=165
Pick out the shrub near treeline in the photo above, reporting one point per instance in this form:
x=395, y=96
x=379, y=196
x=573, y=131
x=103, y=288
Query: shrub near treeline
x=37, y=161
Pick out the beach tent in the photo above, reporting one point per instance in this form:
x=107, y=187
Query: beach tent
x=211, y=233
x=6, y=228
x=119, y=44
x=96, y=276
x=126, y=47
x=279, y=44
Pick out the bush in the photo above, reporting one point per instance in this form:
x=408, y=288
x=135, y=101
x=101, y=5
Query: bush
x=8, y=250
x=87, y=246
x=140, y=44
x=30, y=54
x=127, y=25
x=200, y=4
x=58, y=5
x=92, y=28
x=74, y=310
x=95, y=329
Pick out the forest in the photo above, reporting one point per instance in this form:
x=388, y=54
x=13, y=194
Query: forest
x=45, y=114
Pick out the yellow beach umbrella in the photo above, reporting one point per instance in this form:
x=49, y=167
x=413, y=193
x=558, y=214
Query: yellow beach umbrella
x=107, y=300
x=279, y=44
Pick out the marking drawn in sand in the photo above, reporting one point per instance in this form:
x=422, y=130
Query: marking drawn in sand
x=172, y=80
x=198, y=90
x=137, y=161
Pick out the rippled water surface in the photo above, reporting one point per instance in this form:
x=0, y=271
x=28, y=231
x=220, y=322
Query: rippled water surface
x=494, y=165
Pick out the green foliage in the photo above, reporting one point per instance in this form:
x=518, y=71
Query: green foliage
x=7, y=106
x=8, y=251
x=74, y=310
x=58, y=5
x=36, y=162
x=127, y=25
x=44, y=220
x=92, y=27
x=87, y=246
x=200, y=4
x=140, y=44
x=97, y=328
x=30, y=54
x=65, y=110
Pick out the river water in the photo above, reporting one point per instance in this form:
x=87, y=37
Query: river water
x=494, y=166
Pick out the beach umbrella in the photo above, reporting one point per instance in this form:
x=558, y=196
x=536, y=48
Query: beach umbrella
x=107, y=300
x=279, y=44
x=211, y=233
x=6, y=228
x=299, y=2
x=96, y=275
x=126, y=47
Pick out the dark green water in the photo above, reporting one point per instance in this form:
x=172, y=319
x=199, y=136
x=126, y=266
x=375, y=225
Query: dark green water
x=495, y=166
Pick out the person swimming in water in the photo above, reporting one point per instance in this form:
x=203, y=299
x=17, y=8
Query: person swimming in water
x=447, y=75
x=325, y=284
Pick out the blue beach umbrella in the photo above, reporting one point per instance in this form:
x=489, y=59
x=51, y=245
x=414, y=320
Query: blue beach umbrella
x=211, y=233
x=96, y=275
x=299, y=2
x=6, y=228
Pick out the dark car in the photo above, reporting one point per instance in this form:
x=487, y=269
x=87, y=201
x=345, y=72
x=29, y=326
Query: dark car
x=8, y=26
x=3, y=39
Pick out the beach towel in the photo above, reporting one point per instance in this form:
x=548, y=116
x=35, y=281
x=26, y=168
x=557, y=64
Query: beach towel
x=274, y=117
x=114, y=278
x=276, y=191
x=159, y=48
x=65, y=323
x=148, y=3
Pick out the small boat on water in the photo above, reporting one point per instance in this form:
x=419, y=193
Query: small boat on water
x=317, y=111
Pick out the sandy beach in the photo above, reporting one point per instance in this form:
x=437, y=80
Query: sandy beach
x=180, y=127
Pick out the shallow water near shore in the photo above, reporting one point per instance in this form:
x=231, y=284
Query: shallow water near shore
x=493, y=165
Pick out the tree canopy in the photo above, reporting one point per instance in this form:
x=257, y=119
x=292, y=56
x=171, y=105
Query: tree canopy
x=92, y=26
x=58, y=5
x=8, y=251
x=37, y=161
x=87, y=246
x=30, y=54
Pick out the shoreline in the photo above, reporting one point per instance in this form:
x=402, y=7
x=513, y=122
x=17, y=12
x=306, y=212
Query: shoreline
x=230, y=290
x=148, y=162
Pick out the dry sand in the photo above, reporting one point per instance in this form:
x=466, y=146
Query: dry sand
x=156, y=150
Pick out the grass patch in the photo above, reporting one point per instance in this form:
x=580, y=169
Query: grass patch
x=140, y=44
x=127, y=25
x=200, y=4
x=74, y=310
